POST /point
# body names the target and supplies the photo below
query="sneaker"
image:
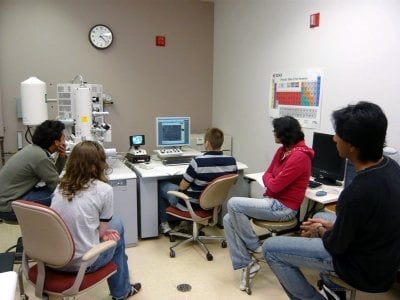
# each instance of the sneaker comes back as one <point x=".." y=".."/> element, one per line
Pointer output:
<point x="255" y="267"/>
<point x="331" y="292"/>
<point x="184" y="226"/>
<point x="135" y="288"/>
<point x="164" y="228"/>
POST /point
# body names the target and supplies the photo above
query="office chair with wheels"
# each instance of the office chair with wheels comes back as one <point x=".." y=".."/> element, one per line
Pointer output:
<point x="48" y="242"/>
<point x="211" y="200"/>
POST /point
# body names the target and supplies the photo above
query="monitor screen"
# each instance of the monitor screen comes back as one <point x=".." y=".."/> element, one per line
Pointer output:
<point x="327" y="165"/>
<point x="136" y="140"/>
<point x="173" y="131"/>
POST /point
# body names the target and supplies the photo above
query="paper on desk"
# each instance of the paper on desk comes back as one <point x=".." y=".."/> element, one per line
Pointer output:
<point x="170" y="170"/>
<point x="257" y="177"/>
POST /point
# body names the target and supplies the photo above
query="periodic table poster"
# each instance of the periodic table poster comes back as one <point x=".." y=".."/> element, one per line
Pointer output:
<point x="297" y="94"/>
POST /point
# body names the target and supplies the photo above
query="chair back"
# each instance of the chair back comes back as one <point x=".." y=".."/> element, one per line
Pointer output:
<point x="217" y="191"/>
<point x="45" y="236"/>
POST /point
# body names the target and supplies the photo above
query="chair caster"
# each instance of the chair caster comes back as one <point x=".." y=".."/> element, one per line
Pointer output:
<point x="171" y="253"/>
<point x="224" y="244"/>
<point x="209" y="256"/>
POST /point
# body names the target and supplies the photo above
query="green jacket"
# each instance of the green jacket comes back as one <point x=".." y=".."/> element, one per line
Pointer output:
<point x="24" y="170"/>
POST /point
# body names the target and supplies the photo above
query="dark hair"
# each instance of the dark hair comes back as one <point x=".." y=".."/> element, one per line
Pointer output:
<point x="86" y="163"/>
<point x="288" y="130"/>
<point x="215" y="137"/>
<point x="47" y="132"/>
<point x="363" y="125"/>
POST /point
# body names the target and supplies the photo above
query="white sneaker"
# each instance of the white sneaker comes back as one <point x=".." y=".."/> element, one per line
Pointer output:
<point x="255" y="267"/>
<point x="164" y="228"/>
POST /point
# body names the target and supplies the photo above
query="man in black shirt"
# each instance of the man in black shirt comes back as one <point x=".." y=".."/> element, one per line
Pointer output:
<point x="361" y="244"/>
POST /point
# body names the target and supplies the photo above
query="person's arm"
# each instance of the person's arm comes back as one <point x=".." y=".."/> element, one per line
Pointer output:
<point x="183" y="185"/>
<point x="62" y="158"/>
<point x="295" y="165"/>
<point x="46" y="171"/>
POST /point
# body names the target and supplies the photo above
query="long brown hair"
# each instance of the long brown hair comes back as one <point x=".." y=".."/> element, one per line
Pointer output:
<point x="86" y="163"/>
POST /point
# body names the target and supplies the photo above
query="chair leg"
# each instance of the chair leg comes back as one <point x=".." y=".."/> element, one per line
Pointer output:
<point x="256" y="258"/>
<point x="352" y="294"/>
<point x="21" y="284"/>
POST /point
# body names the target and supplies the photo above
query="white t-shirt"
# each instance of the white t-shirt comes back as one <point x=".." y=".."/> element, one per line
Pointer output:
<point x="83" y="215"/>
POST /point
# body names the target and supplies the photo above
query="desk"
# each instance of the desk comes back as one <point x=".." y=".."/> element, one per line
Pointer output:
<point x="332" y="195"/>
<point x="123" y="181"/>
<point x="148" y="191"/>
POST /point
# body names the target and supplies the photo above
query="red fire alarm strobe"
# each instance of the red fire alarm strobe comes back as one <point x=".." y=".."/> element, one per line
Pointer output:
<point x="160" y="41"/>
<point x="314" y="20"/>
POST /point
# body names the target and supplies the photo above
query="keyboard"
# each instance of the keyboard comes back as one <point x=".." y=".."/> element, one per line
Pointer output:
<point x="314" y="184"/>
<point x="169" y="152"/>
<point x="176" y="160"/>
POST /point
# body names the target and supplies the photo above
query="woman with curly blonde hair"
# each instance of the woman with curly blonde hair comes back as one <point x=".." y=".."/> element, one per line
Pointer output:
<point x="84" y="200"/>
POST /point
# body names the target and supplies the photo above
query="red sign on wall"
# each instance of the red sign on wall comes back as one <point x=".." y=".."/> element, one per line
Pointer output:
<point x="160" y="41"/>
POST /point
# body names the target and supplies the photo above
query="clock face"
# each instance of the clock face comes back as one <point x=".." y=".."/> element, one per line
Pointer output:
<point x="100" y="36"/>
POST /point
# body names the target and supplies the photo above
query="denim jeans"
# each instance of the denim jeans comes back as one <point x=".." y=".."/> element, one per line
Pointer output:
<point x="239" y="233"/>
<point x="165" y="200"/>
<point x="41" y="195"/>
<point x="119" y="283"/>
<point x="286" y="255"/>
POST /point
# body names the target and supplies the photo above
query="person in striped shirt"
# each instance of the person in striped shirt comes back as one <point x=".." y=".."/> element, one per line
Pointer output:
<point x="201" y="170"/>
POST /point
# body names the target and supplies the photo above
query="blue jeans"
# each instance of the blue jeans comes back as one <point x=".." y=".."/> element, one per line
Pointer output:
<point x="165" y="200"/>
<point x="119" y="283"/>
<point x="41" y="195"/>
<point x="239" y="233"/>
<point x="286" y="255"/>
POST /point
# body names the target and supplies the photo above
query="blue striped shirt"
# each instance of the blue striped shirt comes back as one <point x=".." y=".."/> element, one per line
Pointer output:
<point x="205" y="168"/>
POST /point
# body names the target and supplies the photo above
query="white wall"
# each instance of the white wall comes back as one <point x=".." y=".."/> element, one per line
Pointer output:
<point x="357" y="46"/>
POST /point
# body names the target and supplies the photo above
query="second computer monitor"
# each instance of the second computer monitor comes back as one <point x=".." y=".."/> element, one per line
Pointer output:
<point x="173" y="131"/>
<point x="327" y="165"/>
<point x="136" y="140"/>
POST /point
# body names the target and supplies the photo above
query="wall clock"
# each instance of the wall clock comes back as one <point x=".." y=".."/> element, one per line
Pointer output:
<point x="101" y="36"/>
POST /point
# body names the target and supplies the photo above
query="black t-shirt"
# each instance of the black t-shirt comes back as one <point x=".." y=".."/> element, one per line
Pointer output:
<point x="365" y="240"/>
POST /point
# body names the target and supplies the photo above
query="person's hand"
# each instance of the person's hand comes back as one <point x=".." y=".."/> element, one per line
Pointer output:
<point x="62" y="150"/>
<point x="110" y="234"/>
<point x="311" y="227"/>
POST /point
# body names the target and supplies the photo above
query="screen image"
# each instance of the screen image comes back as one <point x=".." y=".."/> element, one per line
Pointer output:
<point x="136" y="140"/>
<point x="173" y="131"/>
<point x="327" y="165"/>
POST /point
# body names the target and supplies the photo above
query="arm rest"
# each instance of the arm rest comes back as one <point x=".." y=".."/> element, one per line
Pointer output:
<point x="86" y="260"/>
<point x="99" y="248"/>
<point x="186" y="198"/>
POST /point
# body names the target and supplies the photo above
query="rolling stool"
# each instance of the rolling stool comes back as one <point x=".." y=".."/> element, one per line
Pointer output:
<point x="336" y="280"/>
<point x="275" y="228"/>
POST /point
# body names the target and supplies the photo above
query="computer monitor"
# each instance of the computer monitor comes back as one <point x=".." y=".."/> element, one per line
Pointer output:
<point x="327" y="166"/>
<point x="173" y="131"/>
<point x="136" y="140"/>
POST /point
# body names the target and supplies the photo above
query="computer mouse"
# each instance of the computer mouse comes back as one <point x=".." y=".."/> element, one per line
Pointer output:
<point x="321" y="193"/>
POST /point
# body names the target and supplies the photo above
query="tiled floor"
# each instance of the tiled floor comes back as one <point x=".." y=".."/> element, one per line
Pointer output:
<point x="160" y="275"/>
